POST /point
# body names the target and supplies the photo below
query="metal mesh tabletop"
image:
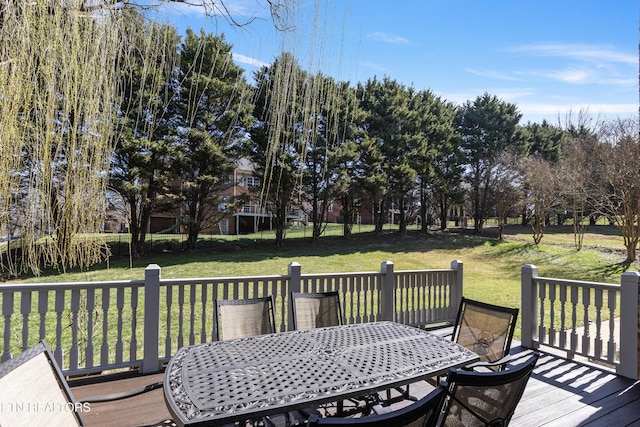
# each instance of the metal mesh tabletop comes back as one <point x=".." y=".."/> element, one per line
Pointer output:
<point x="240" y="379"/>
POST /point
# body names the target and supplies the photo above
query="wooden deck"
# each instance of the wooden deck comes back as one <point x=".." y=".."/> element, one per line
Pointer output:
<point x="561" y="393"/>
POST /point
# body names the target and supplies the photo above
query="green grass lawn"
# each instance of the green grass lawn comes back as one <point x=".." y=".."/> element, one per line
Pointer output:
<point x="491" y="267"/>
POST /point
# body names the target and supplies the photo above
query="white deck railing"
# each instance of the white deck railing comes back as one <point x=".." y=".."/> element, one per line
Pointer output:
<point x="100" y="326"/>
<point x="598" y="321"/>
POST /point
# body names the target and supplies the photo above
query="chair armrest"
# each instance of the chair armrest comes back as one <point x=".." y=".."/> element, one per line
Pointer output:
<point x="495" y="363"/>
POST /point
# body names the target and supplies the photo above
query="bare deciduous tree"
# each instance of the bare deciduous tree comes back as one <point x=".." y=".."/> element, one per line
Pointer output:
<point x="615" y="187"/>
<point x="543" y="193"/>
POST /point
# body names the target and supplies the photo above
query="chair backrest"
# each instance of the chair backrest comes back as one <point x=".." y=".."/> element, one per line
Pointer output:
<point x="316" y="310"/>
<point x="244" y="318"/>
<point x="422" y="413"/>
<point x="485" y="329"/>
<point x="33" y="391"/>
<point x="485" y="398"/>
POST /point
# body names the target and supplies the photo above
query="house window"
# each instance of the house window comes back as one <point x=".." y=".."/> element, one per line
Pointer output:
<point x="253" y="181"/>
<point x="330" y="207"/>
<point x="240" y="181"/>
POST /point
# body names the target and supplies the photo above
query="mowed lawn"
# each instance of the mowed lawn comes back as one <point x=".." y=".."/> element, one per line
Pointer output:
<point x="491" y="266"/>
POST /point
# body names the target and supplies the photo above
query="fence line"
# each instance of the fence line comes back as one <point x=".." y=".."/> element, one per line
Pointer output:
<point x="98" y="326"/>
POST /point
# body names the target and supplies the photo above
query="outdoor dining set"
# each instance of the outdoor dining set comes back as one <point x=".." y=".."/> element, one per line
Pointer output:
<point x="323" y="372"/>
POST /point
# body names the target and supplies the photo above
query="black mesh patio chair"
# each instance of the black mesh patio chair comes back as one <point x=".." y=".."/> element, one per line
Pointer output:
<point x="244" y="318"/>
<point x="316" y="310"/>
<point x="34" y="392"/>
<point x="424" y="412"/>
<point x="484" y="398"/>
<point x="487" y="330"/>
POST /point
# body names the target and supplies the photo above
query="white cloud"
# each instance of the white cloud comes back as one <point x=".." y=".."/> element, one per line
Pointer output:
<point x="504" y="94"/>
<point x="551" y="108"/>
<point x="243" y="59"/>
<point x="572" y="75"/>
<point x="493" y="74"/>
<point x="538" y="110"/>
<point x="375" y="66"/>
<point x="592" y="53"/>
<point x="388" y="38"/>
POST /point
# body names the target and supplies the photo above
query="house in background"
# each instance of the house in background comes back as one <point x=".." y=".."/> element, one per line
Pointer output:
<point x="250" y="217"/>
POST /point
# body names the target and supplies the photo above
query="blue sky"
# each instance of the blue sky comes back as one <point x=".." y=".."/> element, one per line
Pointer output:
<point x="549" y="57"/>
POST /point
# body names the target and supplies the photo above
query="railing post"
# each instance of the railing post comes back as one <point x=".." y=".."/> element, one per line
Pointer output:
<point x="629" y="324"/>
<point x="388" y="292"/>
<point x="295" y="273"/>
<point x="528" y="310"/>
<point x="456" y="290"/>
<point x="151" y="361"/>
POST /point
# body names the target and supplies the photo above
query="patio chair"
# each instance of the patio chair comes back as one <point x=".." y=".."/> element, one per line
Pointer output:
<point x="315" y="310"/>
<point x="487" y="330"/>
<point x="422" y="413"/>
<point x="485" y="398"/>
<point x="466" y="399"/>
<point x="34" y="392"/>
<point x="244" y="318"/>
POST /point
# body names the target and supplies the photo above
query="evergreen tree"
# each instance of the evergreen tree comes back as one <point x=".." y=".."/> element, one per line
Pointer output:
<point x="390" y="127"/>
<point x="275" y="136"/>
<point x="488" y="127"/>
<point x="436" y="158"/>
<point x="210" y="118"/>
<point x="139" y="173"/>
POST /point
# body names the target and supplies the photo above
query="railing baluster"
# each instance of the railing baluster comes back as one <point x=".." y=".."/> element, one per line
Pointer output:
<point x="25" y="310"/>
<point x="542" y="289"/>
<point x="169" y="303"/>
<point x="59" y="308"/>
<point x="7" y="312"/>
<point x="88" y="349"/>
<point x="104" y="348"/>
<point x="359" y="296"/>
<point x="43" y="309"/>
<point x="552" y="313"/>
<point x="133" y="347"/>
<point x="203" y="315"/>
<point x="119" y="341"/>
<point x="414" y="300"/>
<point x="192" y="314"/>
<point x="611" y="343"/>
<point x="586" y="303"/>
<point x="574" y="321"/>
<point x="75" y="313"/>
<point x="563" y="316"/>
<point x="214" y="295"/>
<point x="181" y="316"/>
<point x="598" y="338"/>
